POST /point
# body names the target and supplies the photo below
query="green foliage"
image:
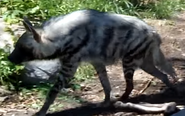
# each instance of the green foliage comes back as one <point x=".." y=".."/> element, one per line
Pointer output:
<point x="13" y="10"/>
<point x="7" y="70"/>
<point x="166" y="8"/>
<point x="84" y="72"/>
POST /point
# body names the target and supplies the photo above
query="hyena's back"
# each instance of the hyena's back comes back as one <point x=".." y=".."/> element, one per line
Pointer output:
<point x="91" y="35"/>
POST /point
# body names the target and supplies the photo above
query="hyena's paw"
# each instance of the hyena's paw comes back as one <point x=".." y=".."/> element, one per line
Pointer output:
<point x="173" y="79"/>
<point x="124" y="97"/>
<point x="107" y="103"/>
<point x="39" y="114"/>
<point x="104" y="104"/>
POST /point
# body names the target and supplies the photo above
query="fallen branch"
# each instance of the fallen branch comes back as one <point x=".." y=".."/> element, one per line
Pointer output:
<point x="141" y="108"/>
<point x="145" y="87"/>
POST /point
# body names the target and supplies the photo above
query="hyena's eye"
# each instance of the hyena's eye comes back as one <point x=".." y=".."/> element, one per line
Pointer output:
<point x="25" y="50"/>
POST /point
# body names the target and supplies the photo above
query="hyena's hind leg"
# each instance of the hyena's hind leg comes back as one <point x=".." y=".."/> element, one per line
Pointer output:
<point x="149" y="67"/>
<point x="103" y="77"/>
<point x="149" y="63"/>
<point x="161" y="62"/>
<point x="128" y="69"/>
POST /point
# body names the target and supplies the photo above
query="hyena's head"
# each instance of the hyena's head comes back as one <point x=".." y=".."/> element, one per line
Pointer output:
<point x="32" y="45"/>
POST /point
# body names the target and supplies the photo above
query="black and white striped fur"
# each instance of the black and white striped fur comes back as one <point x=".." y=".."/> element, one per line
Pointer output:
<point x="98" y="38"/>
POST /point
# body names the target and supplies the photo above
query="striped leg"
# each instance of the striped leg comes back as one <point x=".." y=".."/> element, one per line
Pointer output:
<point x="50" y="97"/>
<point x="67" y="71"/>
<point x="129" y="67"/>
<point x="128" y="74"/>
<point x="102" y="74"/>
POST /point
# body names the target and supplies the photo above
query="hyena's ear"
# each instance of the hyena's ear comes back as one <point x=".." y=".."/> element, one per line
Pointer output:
<point x="27" y="24"/>
<point x="27" y="21"/>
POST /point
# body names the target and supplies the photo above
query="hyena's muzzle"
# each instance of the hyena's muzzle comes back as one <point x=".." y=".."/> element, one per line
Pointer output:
<point x="15" y="57"/>
<point x="18" y="57"/>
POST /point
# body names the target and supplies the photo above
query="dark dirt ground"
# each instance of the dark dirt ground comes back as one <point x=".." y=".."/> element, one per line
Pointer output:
<point x="173" y="46"/>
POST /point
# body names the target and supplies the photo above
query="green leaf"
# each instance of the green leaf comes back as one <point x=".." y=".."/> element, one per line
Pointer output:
<point x="35" y="9"/>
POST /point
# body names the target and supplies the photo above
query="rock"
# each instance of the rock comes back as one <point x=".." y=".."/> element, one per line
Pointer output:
<point x="36" y="72"/>
<point x="5" y="37"/>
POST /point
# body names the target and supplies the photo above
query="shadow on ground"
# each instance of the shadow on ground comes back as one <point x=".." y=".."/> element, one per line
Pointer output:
<point x="162" y="97"/>
<point x="166" y="95"/>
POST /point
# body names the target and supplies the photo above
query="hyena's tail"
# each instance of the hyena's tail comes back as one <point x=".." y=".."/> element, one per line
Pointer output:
<point x="159" y="59"/>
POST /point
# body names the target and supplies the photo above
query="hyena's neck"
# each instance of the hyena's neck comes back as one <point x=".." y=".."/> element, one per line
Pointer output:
<point x="54" y="48"/>
<point x="44" y="49"/>
<point x="64" y="42"/>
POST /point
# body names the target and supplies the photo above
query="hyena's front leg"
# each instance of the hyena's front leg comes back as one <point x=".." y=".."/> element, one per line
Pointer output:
<point x="51" y="96"/>
<point x="67" y="71"/>
<point x="102" y="74"/>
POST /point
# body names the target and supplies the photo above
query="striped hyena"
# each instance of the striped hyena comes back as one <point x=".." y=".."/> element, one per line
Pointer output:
<point x="98" y="38"/>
